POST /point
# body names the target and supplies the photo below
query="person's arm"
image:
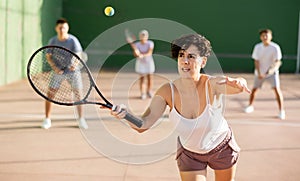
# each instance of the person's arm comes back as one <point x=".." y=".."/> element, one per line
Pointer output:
<point x="228" y="85"/>
<point x="277" y="63"/>
<point x="77" y="49"/>
<point x="255" y="56"/>
<point x="256" y="65"/>
<point x="274" y="67"/>
<point x="151" y="115"/>
<point x="148" y="53"/>
<point x="135" y="50"/>
<point x="52" y="64"/>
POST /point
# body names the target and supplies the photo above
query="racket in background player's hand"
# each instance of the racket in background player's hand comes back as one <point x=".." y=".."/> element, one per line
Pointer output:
<point x="130" y="38"/>
<point x="73" y="84"/>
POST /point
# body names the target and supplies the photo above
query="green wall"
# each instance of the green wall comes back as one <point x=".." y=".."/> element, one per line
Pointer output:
<point x="232" y="26"/>
<point x="25" y="26"/>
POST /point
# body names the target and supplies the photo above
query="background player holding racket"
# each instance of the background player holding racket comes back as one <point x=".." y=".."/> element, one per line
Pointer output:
<point x="195" y="100"/>
<point x="144" y="66"/>
<point x="59" y="73"/>
<point x="267" y="59"/>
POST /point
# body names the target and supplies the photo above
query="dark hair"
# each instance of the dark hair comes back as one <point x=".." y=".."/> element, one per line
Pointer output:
<point x="265" y="31"/>
<point x="61" y="21"/>
<point x="186" y="41"/>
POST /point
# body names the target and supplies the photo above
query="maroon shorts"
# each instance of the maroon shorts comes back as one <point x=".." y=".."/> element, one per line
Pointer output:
<point x="222" y="157"/>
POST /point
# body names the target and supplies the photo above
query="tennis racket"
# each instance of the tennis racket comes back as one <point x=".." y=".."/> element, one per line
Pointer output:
<point x="69" y="81"/>
<point x="130" y="38"/>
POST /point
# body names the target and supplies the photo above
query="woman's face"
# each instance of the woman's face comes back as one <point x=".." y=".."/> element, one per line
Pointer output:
<point x="190" y="62"/>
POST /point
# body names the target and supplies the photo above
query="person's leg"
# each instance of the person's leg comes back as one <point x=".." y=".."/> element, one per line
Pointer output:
<point x="78" y="91"/>
<point x="252" y="96"/>
<point x="250" y="107"/>
<point x="54" y="84"/>
<point x="225" y="175"/>
<point x="257" y="84"/>
<point x="193" y="175"/>
<point x="279" y="98"/>
<point x="141" y="83"/>
<point x="48" y="106"/>
<point x="275" y="82"/>
<point x="142" y="87"/>
<point x="79" y="111"/>
<point x="149" y="85"/>
<point x="78" y="97"/>
<point x="82" y="122"/>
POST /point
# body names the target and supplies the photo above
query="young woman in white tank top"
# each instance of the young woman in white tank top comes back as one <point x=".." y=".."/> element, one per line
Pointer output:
<point x="195" y="101"/>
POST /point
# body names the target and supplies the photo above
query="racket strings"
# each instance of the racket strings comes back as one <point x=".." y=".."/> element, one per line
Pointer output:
<point x="63" y="79"/>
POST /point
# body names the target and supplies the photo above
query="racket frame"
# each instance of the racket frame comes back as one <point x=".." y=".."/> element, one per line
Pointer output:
<point x="92" y="81"/>
<point x="129" y="117"/>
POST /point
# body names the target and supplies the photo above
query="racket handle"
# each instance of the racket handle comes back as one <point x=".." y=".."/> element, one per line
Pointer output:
<point x="134" y="120"/>
<point x="131" y="118"/>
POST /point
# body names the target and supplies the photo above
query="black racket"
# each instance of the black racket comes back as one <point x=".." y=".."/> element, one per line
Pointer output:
<point x="61" y="76"/>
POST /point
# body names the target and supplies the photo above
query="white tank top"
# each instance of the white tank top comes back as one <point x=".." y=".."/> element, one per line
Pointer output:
<point x="204" y="133"/>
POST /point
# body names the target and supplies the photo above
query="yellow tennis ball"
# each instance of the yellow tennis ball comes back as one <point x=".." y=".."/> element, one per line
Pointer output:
<point x="109" y="11"/>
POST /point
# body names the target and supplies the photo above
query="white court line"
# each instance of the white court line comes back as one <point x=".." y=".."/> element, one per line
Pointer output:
<point x="39" y="116"/>
<point x="35" y="116"/>
<point x="236" y="122"/>
<point x="279" y="123"/>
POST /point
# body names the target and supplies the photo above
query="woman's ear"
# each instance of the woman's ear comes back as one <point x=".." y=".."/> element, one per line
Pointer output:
<point x="203" y="63"/>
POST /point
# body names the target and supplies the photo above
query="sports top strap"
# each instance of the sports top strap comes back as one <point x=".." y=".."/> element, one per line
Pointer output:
<point x="206" y="92"/>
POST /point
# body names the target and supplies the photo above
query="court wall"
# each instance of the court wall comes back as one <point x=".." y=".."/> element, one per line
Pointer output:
<point x="232" y="26"/>
<point x="25" y="26"/>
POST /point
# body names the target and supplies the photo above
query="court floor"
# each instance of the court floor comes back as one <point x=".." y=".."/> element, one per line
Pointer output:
<point x="270" y="147"/>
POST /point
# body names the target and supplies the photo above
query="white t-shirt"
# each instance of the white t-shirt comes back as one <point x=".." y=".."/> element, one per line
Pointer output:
<point x="266" y="55"/>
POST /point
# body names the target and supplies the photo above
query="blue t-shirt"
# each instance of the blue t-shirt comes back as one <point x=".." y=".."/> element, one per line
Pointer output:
<point x="61" y="60"/>
<point x="72" y="43"/>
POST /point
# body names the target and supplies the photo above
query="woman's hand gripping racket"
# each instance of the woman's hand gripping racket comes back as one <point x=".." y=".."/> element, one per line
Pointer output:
<point x="130" y="38"/>
<point x="69" y="81"/>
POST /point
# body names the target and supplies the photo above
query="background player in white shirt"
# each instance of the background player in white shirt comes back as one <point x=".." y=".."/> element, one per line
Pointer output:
<point x="267" y="59"/>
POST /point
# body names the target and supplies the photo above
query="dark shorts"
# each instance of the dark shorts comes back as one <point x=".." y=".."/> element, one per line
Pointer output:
<point x="224" y="156"/>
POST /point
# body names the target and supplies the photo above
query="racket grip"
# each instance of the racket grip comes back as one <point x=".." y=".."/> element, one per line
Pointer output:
<point x="131" y="118"/>
<point x="134" y="120"/>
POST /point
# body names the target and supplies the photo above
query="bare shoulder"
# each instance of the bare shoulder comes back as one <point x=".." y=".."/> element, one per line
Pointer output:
<point x="165" y="92"/>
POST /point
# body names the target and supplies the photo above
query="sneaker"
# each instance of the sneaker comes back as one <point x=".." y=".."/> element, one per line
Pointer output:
<point x="249" y="109"/>
<point x="149" y="94"/>
<point x="83" y="124"/>
<point x="46" y="123"/>
<point x="281" y="115"/>
<point x="143" y="96"/>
